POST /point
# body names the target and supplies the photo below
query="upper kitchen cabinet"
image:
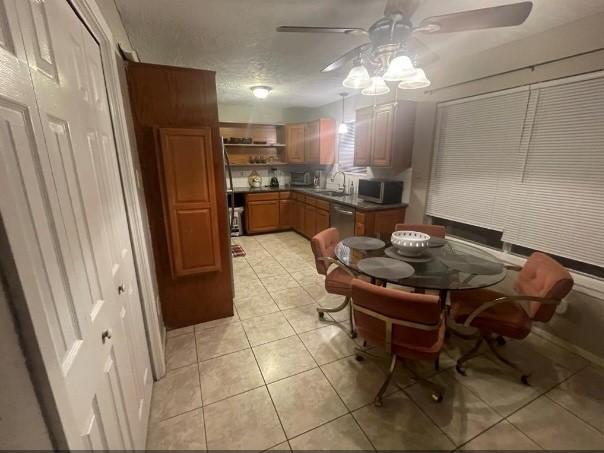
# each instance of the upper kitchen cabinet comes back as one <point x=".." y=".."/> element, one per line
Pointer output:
<point x="313" y="142"/>
<point x="384" y="135"/>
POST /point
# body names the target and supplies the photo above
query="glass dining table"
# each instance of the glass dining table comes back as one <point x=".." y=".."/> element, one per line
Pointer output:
<point x="445" y="265"/>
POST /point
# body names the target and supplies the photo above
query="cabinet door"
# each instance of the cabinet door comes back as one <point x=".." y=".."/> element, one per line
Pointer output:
<point x="300" y="214"/>
<point x="363" y="137"/>
<point x="295" y="143"/>
<point x="190" y="200"/>
<point x="309" y="221"/>
<point x="262" y="216"/>
<point x="285" y="213"/>
<point x="321" y="220"/>
<point x="383" y="124"/>
<point x="312" y="142"/>
<point x="359" y="225"/>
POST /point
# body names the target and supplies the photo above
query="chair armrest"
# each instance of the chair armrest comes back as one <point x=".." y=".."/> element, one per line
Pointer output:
<point x="399" y="322"/>
<point x="331" y="261"/>
<point x="508" y="300"/>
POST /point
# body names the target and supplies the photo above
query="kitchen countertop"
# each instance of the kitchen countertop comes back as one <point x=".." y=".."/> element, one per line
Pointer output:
<point x="347" y="200"/>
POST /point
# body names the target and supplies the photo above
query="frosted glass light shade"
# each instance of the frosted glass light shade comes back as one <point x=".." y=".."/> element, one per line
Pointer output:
<point x="376" y="87"/>
<point x="343" y="128"/>
<point x="357" y="78"/>
<point x="419" y="80"/>
<point x="400" y="68"/>
<point x="261" y="92"/>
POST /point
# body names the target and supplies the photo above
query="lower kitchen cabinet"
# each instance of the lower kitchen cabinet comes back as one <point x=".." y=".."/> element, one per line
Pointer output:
<point x="286" y="214"/>
<point x="369" y="223"/>
<point x="262" y="212"/>
<point x="321" y="220"/>
<point x="309" y="221"/>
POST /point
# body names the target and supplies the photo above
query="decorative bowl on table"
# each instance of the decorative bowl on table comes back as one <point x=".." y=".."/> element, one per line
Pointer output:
<point x="410" y="243"/>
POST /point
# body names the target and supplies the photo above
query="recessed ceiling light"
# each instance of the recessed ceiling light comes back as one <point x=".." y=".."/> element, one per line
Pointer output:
<point x="261" y="92"/>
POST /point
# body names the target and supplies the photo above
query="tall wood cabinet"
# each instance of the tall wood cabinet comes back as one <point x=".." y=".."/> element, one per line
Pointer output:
<point x="313" y="142"/>
<point x="384" y="135"/>
<point x="175" y="117"/>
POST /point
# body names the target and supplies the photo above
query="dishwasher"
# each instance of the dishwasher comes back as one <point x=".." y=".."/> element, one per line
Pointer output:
<point x="342" y="218"/>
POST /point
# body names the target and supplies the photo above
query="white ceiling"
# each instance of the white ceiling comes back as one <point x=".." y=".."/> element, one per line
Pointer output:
<point x="237" y="39"/>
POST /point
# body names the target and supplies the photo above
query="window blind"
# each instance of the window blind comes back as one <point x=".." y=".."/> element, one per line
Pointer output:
<point x="475" y="154"/>
<point x="557" y="200"/>
<point x="346" y="152"/>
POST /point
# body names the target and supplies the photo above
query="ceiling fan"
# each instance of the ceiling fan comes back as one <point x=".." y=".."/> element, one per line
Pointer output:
<point x="393" y="53"/>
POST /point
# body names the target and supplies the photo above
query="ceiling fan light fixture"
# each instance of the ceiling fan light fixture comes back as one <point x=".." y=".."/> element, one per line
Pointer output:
<point x="400" y="68"/>
<point x="261" y="92"/>
<point x="357" y="78"/>
<point x="419" y="80"/>
<point x="376" y="87"/>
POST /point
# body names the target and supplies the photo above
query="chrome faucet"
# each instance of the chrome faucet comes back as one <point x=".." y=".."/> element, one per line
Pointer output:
<point x="333" y="177"/>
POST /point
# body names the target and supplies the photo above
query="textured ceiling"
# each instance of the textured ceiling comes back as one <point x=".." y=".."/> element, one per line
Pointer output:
<point x="237" y="39"/>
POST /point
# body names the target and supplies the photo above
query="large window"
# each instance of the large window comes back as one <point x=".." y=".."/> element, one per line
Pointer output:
<point x="346" y="152"/>
<point x="528" y="163"/>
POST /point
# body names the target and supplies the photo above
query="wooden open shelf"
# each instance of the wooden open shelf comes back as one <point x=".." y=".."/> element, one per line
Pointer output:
<point x="254" y="145"/>
<point x="268" y="164"/>
<point x="273" y="151"/>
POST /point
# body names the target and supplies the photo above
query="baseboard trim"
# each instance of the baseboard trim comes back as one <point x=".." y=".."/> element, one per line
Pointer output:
<point x="569" y="346"/>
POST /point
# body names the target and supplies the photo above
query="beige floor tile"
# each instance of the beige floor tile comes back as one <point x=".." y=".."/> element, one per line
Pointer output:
<point x="461" y="414"/>
<point x="283" y="358"/>
<point x="554" y="428"/>
<point x="291" y="297"/>
<point x="356" y="382"/>
<point x="243" y="422"/>
<point x="263" y="329"/>
<point x="175" y="393"/>
<point x="248" y="289"/>
<point x="220" y="340"/>
<point x="180" y="351"/>
<point x="316" y="291"/>
<point x="400" y="425"/>
<point x="328" y="344"/>
<point x="228" y="375"/>
<point x="583" y="395"/>
<point x="502" y="437"/>
<point x="298" y="264"/>
<point x="340" y="434"/>
<point x="181" y="331"/>
<point x="268" y="270"/>
<point x="305" y="401"/>
<point x="183" y="432"/>
<point x="278" y="283"/>
<point x="305" y="318"/>
<point x="283" y="446"/>
<point x="217" y="322"/>
<point x="305" y="278"/>
<point x="257" y="305"/>
<point x="501" y="388"/>
<point x="553" y="352"/>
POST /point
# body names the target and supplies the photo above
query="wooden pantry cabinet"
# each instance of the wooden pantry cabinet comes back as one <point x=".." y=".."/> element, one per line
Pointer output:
<point x="384" y="135"/>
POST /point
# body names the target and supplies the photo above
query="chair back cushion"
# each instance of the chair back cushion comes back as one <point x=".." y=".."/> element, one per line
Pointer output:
<point x="323" y="244"/>
<point x="431" y="230"/>
<point x="397" y="305"/>
<point x="543" y="276"/>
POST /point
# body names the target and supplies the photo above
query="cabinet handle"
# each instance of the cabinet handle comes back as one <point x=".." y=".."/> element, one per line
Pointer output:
<point x="106" y="335"/>
<point x="340" y="211"/>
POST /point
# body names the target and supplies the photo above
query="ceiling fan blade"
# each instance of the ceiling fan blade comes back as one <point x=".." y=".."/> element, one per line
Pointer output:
<point x="498" y="16"/>
<point x="421" y="54"/>
<point x="302" y="29"/>
<point x="346" y="57"/>
<point x="404" y="7"/>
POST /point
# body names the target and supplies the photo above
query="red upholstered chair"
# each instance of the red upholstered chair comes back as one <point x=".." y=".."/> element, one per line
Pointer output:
<point x="407" y="325"/>
<point x="338" y="278"/>
<point x="542" y="284"/>
<point x="431" y="230"/>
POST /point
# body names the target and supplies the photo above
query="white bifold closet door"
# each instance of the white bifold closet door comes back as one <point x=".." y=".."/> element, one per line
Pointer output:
<point x="65" y="219"/>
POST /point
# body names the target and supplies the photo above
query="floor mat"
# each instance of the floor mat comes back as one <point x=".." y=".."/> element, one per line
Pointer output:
<point x="237" y="250"/>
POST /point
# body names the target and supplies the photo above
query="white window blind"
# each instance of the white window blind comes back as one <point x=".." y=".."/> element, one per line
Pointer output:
<point x="346" y="152"/>
<point x="557" y="201"/>
<point x="476" y="150"/>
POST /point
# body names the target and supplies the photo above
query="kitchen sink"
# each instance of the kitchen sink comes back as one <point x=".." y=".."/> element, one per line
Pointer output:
<point x="332" y="193"/>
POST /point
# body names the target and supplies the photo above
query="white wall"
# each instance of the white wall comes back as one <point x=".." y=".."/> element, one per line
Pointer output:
<point x="254" y="111"/>
<point x="114" y="21"/>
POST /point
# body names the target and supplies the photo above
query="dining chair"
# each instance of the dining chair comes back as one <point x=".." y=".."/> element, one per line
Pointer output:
<point x="431" y="230"/>
<point x="540" y="286"/>
<point x="408" y="326"/>
<point x="338" y="278"/>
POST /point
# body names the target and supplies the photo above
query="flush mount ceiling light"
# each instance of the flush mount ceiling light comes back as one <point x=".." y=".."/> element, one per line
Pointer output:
<point x="343" y="127"/>
<point x="261" y="92"/>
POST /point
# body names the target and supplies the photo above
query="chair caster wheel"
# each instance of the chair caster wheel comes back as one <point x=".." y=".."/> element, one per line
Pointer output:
<point x="321" y="315"/>
<point x="378" y="403"/>
<point x="437" y="397"/>
<point x="500" y="340"/>
<point x="460" y="370"/>
<point x="524" y="379"/>
<point x="359" y="358"/>
<point x="353" y="335"/>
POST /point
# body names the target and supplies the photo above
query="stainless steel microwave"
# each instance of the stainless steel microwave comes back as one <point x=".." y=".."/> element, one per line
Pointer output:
<point x="381" y="190"/>
<point x="301" y="179"/>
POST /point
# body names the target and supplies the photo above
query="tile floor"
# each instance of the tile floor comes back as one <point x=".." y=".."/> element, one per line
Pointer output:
<point x="275" y="377"/>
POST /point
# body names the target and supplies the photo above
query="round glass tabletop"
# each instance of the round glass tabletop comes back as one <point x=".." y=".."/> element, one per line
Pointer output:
<point x="454" y="266"/>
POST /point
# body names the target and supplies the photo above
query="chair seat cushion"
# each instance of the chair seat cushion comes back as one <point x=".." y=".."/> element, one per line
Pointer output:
<point x="338" y="281"/>
<point x="507" y="319"/>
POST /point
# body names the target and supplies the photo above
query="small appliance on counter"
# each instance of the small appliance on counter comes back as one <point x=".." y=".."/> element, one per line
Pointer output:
<point x="316" y="180"/>
<point x="274" y="182"/>
<point x="254" y="180"/>
<point x="301" y="179"/>
<point x="381" y="191"/>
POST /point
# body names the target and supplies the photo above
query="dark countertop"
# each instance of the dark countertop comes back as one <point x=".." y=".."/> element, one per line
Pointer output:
<point x="347" y="200"/>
